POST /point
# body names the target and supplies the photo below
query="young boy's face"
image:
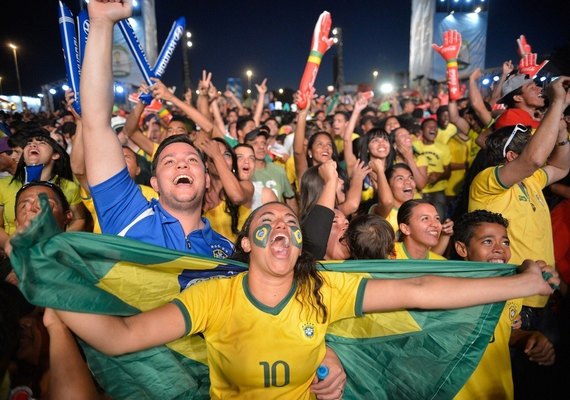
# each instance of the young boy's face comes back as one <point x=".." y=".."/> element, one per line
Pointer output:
<point x="489" y="243"/>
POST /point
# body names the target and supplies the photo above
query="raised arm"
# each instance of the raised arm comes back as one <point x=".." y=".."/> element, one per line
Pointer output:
<point x="161" y="91"/>
<point x="299" y="149"/>
<point x="541" y="144"/>
<point x="385" y="196"/>
<point x="354" y="193"/>
<point x="476" y="99"/>
<point x="103" y="153"/>
<point x="241" y="109"/>
<point x="454" y="117"/>
<point x="349" y="157"/>
<point x="498" y="88"/>
<point x="239" y="192"/>
<point x="261" y="90"/>
<point x="203" y="101"/>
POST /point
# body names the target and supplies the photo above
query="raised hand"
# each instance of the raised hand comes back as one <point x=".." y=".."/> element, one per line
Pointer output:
<point x="449" y="50"/>
<point x="528" y="65"/>
<point x="204" y="83"/>
<point x="523" y="47"/>
<point x="508" y="67"/>
<point x="320" y="43"/>
<point x="262" y="87"/>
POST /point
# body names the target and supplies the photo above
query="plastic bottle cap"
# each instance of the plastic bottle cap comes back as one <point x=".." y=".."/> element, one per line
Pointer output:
<point x="322" y="372"/>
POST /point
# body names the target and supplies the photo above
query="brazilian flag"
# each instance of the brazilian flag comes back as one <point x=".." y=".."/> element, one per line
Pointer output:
<point x="393" y="355"/>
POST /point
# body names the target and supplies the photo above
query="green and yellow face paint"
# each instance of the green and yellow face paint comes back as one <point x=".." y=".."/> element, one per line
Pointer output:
<point x="261" y="235"/>
<point x="296" y="237"/>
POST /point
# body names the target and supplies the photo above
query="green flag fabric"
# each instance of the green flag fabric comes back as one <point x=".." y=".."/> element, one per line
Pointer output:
<point x="397" y="355"/>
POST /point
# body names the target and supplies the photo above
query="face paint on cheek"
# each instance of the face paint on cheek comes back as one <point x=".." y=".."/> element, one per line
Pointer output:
<point x="261" y="235"/>
<point x="296" y="237"/>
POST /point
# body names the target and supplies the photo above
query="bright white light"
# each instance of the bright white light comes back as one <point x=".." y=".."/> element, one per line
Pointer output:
<point x="386" y="88"/>
<point x="280" y="91"/>
<point x="330" y="88"/>
<point x="249" y="73"/>
<point x="477" y="10"/>
<point x="451" y="12"/>
<point x="40" y="95"/>
<point x="197" y="91"/>
<point x="189" y="43"/>
<point x="334" y="31"/>
<point x="248" y="91"/>
<point x="485" y="81"/>
<point x="188" y="34"/>
<point x="135" y="3"/>
<point x="335" y="40"/>
<point x="468" y="1"/>
<point x="119" y="89"/>
<point x="542" y="78"/>
<point x="64" y="87"/>
<point x="496" y="78"/>
<point x="52" y="91"/>
<point x="456" y="1"/>
<point x="375" y="74"/>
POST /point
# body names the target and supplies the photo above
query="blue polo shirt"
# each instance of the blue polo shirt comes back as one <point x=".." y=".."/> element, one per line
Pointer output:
<point x="123" y="210"/>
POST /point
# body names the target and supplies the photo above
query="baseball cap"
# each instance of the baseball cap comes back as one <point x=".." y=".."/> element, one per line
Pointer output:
<point x="260" y="130"/>
<point x="512" y="83"/>
<point x="4" y="146"/>
<point x="118" y="123"/>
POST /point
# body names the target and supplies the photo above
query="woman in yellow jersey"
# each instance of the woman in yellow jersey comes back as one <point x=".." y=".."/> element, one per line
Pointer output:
<point x="227" y="196"/>
<point x="402" y="142"/>
<point x="279" y="310"/>
<point x="420" y="231"/>
<point x="395" y="187"/>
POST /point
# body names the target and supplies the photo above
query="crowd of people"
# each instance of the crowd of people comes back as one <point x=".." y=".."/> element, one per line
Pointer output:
<point x="418" y="175"/>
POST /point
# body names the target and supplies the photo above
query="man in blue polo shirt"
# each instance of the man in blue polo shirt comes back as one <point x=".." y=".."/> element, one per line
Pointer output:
<point x="179" y="173"/>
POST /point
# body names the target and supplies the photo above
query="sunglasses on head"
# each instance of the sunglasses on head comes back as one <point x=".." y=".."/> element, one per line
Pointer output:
<point x="518" y="128"/>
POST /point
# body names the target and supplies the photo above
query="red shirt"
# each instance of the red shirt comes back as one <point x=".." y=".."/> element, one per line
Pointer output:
<point x="513" y="116"/>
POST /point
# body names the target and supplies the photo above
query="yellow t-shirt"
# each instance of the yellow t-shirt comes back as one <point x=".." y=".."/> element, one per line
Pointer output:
<point x="401" y="253"/>
<point x="339" y="142"/>
<point x="459" y="151"/>
<point x="524" y="206"/>
<point x="492" y="379"/>
<point x="221" y="221"/>
<point x="437" y="157"/>
<point x="261" y="352"/>
<point x="474" y="147"/>
<point x="444" y="135"/>
<point x="8" y="192"/>
<point x="147" y="192"/>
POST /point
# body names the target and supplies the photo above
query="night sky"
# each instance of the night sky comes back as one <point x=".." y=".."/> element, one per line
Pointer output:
<point x="272" y="38"/>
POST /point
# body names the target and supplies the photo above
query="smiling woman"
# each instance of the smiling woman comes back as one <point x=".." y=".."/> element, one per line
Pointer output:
<point x="280" y="309"/>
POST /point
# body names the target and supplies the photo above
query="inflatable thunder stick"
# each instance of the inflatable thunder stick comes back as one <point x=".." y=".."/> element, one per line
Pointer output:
<point x="167" y="50"/>
<point x="82" y="32"/>
<point x="70" y="51"/>
<point x="319" y="45"/>
<point x="449" y="50"/>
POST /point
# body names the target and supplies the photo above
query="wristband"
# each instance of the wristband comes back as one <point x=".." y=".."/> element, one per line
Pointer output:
<point x="315" y="57"/>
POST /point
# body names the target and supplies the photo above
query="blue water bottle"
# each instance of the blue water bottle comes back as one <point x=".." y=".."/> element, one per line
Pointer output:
<point x="322" y="372"/>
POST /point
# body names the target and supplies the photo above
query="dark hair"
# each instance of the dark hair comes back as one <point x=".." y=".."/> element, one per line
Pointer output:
<point x="188" y="123"/>
<point x="509" y="99"/>
<point x="370" y="236"/>
<point x="344" y="114"/>
<point x="425" y="121"/>
<point x="308" y="279"/>
<point x="334" y="156"/>
<point x="231" y="208"/>
<point x="372" y="134"/>
<point x="407" y="207"/>
<point x="134" y="153"/>
<point x="310" y="191"/>
<point x="392" y="169"/>
<point x="466" y="224"/>
<point x="64" y="204"/>
<point x="181" y="138"/>
<point x="61" y="166"/>
<point x="496" y="142"/>
<point x="242" y="121"/>
<point x="68" y="128"/>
